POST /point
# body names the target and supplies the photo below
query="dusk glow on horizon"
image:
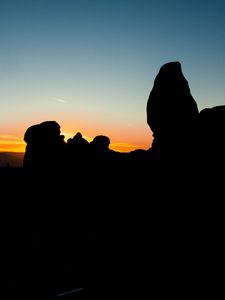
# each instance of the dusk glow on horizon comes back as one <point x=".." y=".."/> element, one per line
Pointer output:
<point x="90" y="64"/>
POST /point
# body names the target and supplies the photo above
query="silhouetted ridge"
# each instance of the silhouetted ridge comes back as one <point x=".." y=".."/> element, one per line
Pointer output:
<point x="46" y="148"/>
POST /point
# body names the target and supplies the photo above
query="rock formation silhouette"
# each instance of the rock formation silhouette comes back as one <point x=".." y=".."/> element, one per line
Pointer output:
<point x="100" y="147"/>
<point x="78" y="151"/>
<point x="172" y="114"/>
<point x="212" y="135"/>
<point x="45" y="146"/>
<point x="79" y="143"/>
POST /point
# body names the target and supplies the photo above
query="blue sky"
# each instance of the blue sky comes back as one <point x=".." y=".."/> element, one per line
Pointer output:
<point x="90" y="65"/>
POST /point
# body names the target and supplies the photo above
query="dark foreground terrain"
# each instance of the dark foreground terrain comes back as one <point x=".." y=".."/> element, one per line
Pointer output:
<point x="127" y="230"/>
<point x="13" y="159"/>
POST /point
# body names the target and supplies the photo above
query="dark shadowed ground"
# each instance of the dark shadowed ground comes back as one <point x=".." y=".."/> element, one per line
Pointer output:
<point x="13" y="159"/>
<point x="130" y="229"/>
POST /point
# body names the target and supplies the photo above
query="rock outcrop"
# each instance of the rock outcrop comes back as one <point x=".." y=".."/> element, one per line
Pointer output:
<point x="172" y="114"/>
<point x="45" y="145"/>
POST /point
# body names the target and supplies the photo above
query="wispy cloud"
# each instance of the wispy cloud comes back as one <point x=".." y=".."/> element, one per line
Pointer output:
<point x="8" y="137"/>
<point x="60" y="100"/>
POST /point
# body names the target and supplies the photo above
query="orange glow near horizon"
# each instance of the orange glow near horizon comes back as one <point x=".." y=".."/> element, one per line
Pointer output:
<point x="123" y="138"/>
<point x="125" y="147"/>
<point x="10" y="143"/>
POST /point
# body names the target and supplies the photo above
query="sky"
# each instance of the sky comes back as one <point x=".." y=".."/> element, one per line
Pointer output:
<point x="90" y="64"/>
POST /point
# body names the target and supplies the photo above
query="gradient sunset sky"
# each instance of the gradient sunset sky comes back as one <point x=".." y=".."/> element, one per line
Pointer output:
<point x="90" y="64"/>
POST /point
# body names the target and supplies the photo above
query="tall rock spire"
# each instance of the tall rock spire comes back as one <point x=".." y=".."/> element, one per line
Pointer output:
<point x="172" y="113"/>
